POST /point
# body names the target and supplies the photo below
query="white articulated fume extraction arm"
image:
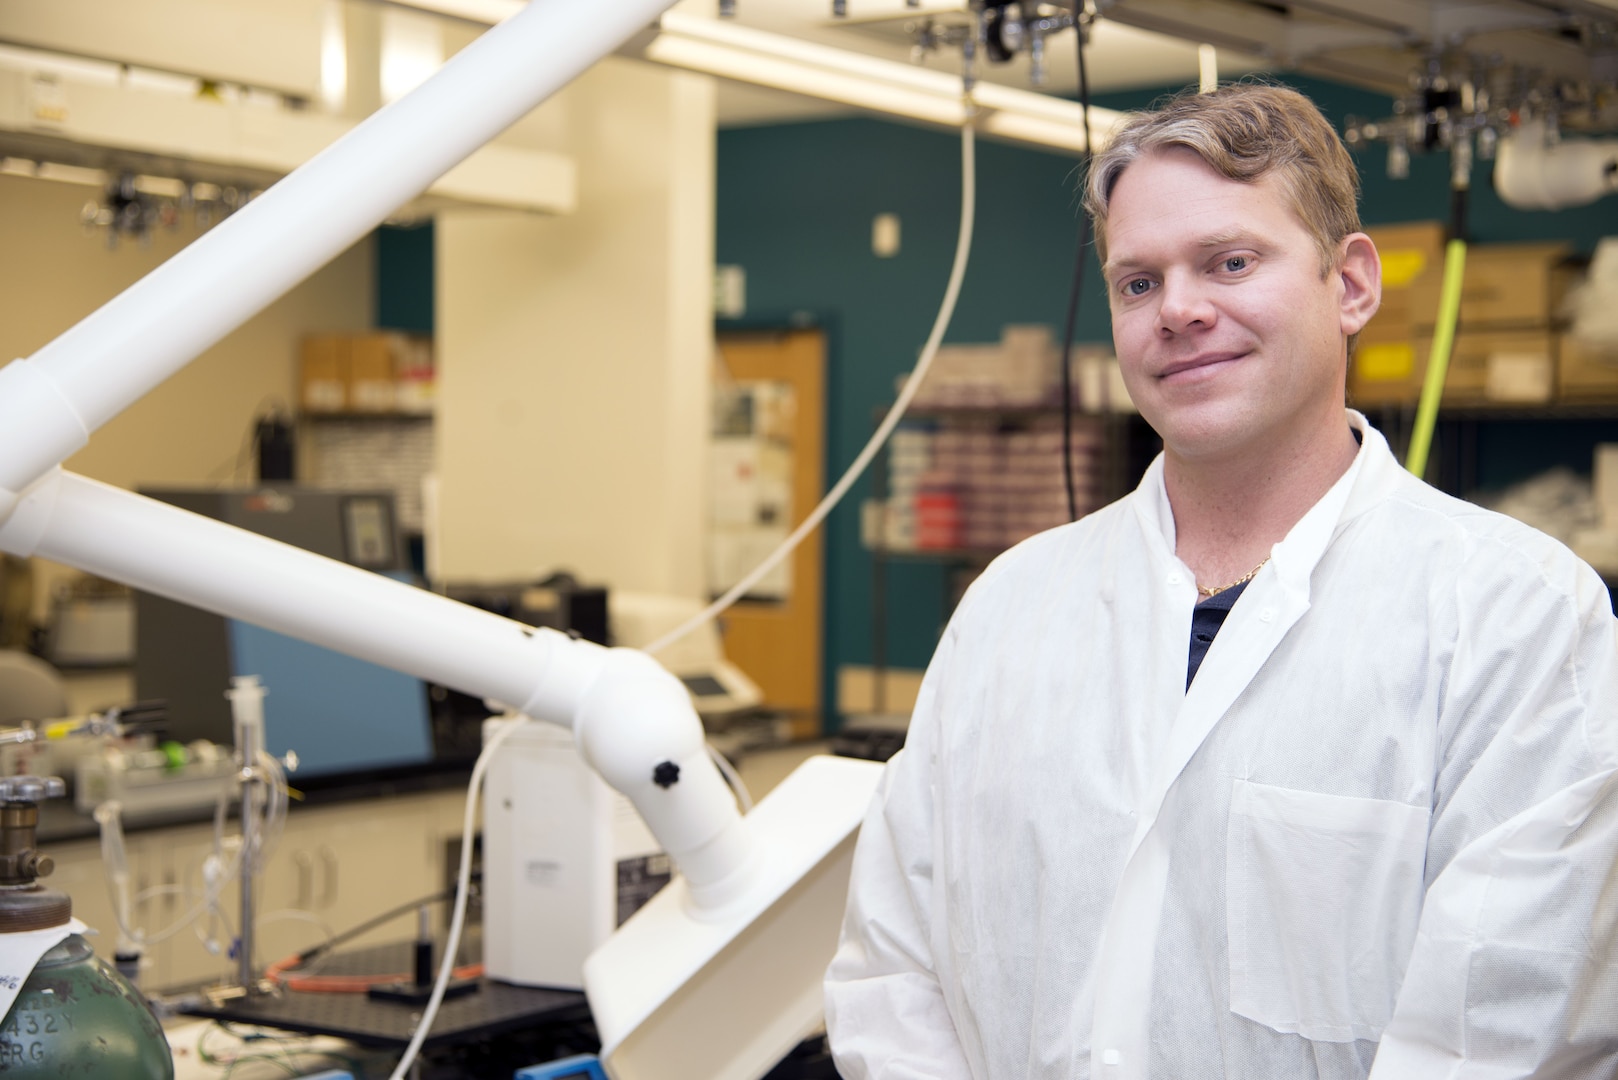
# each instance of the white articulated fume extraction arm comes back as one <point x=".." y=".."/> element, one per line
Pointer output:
<point x="633" y="720"/>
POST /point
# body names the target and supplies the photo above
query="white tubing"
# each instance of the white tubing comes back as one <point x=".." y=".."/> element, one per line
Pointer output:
<point x="151" y="330"/>
<point x="457" y="922"/>
<point x="946" y="310"/>
<point x="196" y="560"/>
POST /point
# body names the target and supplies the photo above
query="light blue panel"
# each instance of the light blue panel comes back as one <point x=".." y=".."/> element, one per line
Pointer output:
<point x="338" y="713"/>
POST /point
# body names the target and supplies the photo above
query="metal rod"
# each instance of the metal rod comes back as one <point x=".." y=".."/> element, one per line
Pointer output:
<point x="250" y="845"/>
<point x="247" y="713"/>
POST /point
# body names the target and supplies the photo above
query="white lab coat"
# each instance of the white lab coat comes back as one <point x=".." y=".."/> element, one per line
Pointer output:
<point x="1373" y="837"/>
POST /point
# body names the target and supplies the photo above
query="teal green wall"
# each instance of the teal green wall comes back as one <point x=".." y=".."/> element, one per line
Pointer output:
<point x="795" y="204"/>
<point x="404" y="278"/>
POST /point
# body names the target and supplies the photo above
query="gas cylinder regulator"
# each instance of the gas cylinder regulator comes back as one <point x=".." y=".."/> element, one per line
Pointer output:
<point x="74" y="1014"/>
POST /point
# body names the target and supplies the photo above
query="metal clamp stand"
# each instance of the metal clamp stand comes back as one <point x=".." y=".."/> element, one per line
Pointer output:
<point x="247" y="709"/>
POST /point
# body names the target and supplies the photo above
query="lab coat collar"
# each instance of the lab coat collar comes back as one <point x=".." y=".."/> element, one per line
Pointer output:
<point x="1275" y="600"/>
<point x="1295" y="557"/>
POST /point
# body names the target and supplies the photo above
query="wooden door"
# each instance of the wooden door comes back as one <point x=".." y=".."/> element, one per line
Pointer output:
<point x="778" y="643"/>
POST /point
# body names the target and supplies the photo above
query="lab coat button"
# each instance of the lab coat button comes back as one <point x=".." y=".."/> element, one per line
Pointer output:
<point x="1267" y="615"/>
<point x="1111" y="1057"/>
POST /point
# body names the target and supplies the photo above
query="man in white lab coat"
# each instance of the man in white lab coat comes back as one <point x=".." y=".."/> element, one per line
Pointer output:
<point x="1285" y="765"/>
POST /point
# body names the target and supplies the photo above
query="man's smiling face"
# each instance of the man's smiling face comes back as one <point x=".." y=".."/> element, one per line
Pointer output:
<point x="1229" y="336"/>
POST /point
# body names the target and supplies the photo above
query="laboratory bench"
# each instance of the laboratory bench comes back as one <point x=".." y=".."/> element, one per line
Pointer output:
<point x="352" y="847"/>
<point x="338" y="862"/>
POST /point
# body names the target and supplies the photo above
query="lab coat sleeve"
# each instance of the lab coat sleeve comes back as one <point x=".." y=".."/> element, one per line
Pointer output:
<point x="1514" y="971"/>
<point x="886" y="1013"/>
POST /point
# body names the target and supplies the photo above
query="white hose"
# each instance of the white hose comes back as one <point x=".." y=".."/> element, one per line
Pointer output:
<point x="108" y="815"/>
<point x="463" y="879"/>
<point x="744" y="798"/>
<point x="963" y="247"/>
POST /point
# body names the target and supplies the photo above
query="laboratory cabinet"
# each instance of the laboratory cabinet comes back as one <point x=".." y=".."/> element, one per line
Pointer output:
<point x="334" y="867"/>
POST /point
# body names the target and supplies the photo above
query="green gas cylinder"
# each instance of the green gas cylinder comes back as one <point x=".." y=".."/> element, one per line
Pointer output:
<point x="78" y="1017"/>
<point x="75" y="1016"/>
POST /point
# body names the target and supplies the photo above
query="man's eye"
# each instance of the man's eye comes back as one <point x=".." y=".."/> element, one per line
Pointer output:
<point x="1236" y="263"/>
<point x="1137" y="286"/>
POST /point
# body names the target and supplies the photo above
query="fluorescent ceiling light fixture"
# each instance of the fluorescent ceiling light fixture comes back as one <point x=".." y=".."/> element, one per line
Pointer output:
<point x="412" y="49"/>
<point x="783" y="63"/>
<point x="333" y="57"/>
<point x="1207" y="68"/>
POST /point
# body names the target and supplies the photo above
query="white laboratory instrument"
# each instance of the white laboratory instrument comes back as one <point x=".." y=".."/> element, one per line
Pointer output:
<point x="565" y="859"/>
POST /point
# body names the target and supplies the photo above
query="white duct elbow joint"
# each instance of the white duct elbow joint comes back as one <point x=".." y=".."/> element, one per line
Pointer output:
<point x="636" y="727"/>
<point x="39" y="429"/>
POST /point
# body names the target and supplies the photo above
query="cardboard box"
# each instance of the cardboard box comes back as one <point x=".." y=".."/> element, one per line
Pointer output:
<point x="1385" y="373"/>
<point x="323" y="382"/>
<point x="1483" y="361"/>
<point x="1490" y="366"/>
<point x="1412" y="261"/>
<point x="1585" y="372"/>
<point x="379" y="372"/>
<point x="371" y="363"/>
<point x="1505" y="285"/>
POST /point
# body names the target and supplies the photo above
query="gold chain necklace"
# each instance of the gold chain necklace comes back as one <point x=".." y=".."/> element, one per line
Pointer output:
<point x="1215" y="590"/>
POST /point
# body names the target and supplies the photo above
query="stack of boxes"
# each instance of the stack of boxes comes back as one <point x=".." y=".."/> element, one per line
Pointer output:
<point x="380" y="372"/>
<point x="985" y="470"/>
<point x="1507" y="344"/>
<point x="348" y="381"/>
<point x="969" y="485"/>
<point x="1021" y="371"/>
<point x="910" y="460"/>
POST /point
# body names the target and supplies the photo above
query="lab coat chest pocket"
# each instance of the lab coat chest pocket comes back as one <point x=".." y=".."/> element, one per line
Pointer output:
<point x="1324" y="895"/>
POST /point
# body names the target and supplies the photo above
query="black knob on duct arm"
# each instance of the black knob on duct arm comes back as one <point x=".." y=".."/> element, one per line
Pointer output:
<point x="666" y="774"/>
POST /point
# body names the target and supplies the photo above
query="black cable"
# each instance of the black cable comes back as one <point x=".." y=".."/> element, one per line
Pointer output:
<point x="1458" y="211"/>
<point x="372" y="923"/>
<point x="1078" y="278"/>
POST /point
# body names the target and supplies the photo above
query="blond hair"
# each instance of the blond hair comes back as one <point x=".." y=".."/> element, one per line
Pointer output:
<point x="1244" y="132"/>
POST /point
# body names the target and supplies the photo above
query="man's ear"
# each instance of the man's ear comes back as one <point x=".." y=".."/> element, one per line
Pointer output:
<point x="1360" y="269"/>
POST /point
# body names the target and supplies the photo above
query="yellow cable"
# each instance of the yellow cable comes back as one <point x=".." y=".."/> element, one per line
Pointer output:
<point x="1432" y="390"/>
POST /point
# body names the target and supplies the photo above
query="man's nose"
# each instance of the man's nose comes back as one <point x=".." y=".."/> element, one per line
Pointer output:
<point x="1184" y="304"/>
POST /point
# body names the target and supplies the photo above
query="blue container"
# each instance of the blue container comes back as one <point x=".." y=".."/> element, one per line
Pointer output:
<point x="582" y="1067"/>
